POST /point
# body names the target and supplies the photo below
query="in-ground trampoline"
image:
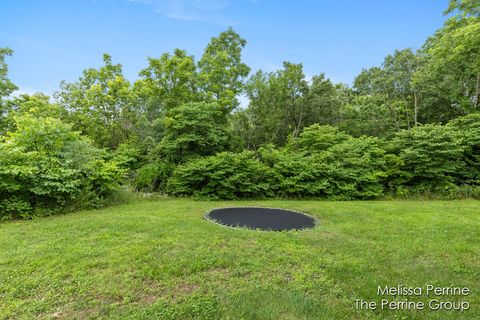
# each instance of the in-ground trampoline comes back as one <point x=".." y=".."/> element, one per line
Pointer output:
<point x="268" y="219"/>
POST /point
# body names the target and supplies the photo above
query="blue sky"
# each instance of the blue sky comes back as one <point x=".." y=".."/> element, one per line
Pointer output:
<point x="56" y="40"/>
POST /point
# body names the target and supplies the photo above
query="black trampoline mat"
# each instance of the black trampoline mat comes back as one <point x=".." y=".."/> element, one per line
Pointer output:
<point x="261" y="218"/>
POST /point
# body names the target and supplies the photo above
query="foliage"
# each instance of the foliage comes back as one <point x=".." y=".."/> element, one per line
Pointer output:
<point x="323" y="163"/>
<point x="194" y="129"/>
<point x="101" y="105"/>
<point x="353" y="168"/>
<point x="409" y="127"/>
<point x="366" y="115"/>
<point x="37" y="105"/>
<point x="221" y="70"/>
<point x="276" y="107"/>
<point x="392" y="84"/>
<point x="153" y="176"/>
<point x="324" y="101"/>
<point x="167" y="82"/>
<point x="45" y="166"/>
<point x="223" y="176"/>
<point x="465" y="7"/>
<point x="467" y="129"/>
<point x="316" y="138"/>
<point x="297" y="175"/>
<point x="6" y="86"/>
<point x="451" y="71"/>
<point x="431" y="156"/>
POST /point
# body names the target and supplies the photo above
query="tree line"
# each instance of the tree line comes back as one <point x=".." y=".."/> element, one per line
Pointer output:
<point x="410" y="125"/>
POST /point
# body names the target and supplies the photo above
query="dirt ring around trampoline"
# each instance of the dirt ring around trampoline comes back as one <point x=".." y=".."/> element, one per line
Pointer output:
<point x="260" y="218"/>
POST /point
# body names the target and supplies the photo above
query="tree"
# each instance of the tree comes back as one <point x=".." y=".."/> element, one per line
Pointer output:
<point x="221" y="70"/>
<point x="451" y="72"/>
<point x="465" y="7"/>
<point x="168" y="82"/>
<point x="367" y="115"/>
<point x="324" y="101"/>
<point x="37" y="105"/>
<point x="101" y="104"/>
<point x="276" y="108"/>
<point x="393" y="83"/>
<point x="6" y="86"/>
<point x="294" y="87"/>
<point x="194" y="129"/>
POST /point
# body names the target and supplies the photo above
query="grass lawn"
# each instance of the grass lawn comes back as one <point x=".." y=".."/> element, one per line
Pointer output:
<point x="160" y="259"/>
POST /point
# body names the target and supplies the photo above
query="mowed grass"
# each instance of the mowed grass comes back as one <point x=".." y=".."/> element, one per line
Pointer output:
<point x="161" y="260"/>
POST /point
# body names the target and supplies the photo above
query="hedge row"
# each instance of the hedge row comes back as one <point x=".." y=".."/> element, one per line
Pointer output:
<point x="326" y="163"/>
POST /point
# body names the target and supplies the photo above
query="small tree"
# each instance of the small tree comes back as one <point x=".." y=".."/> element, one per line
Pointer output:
<point x="45" y="166"/>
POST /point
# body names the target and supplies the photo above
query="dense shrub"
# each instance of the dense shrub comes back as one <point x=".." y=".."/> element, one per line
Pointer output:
<point x="359" y="168"/>
<point x="352" y="169"/>
<point x="468" y="131"/>
<point x="323" y="162"/>
<point x="45" y="167"/>
<point x="295" y="174"/>
<point x="129" y="154"/>
<point x="226" y="175"/>
<point x="316" y="138"/>
<point x="153" y="176"/>
<point x="431" y="156"/>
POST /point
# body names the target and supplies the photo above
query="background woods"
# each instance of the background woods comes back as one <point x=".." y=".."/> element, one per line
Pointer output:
<point x="410" y="126"/>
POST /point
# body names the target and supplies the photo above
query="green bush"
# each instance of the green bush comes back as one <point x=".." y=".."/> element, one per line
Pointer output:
<point x="45" y="167"/>
<point x="153" y="176"/>
<point x="431" y="156"/>
<point x="352" y="169"/>
<point x="296" y="174"/>
<point x="359" y="168"/>
<point x="468" y="131"/>
<point x="317" y="138"/>
<point x="226" y="175"/>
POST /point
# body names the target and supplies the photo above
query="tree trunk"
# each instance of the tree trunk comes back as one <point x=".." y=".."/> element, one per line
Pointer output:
<point x="477" y="93"/>
<point x="416" y="98"/>
<point x="393" y="114"/>
<point x="296" y="132"/>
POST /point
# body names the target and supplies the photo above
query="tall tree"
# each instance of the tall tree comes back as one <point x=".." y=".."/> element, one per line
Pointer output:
<point x="101" y="104"/>
<point x="465" y="7"/>
<point x="221" y="70"/>
<point x="168" y="82"/>
<point x="392" y="83"/>
<point x="366" y="115"/>
<point x="276" y="108"/>
<point x="451" y="72"/>
<point x="324" y="101"/>
<point x="6" y="86"/>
